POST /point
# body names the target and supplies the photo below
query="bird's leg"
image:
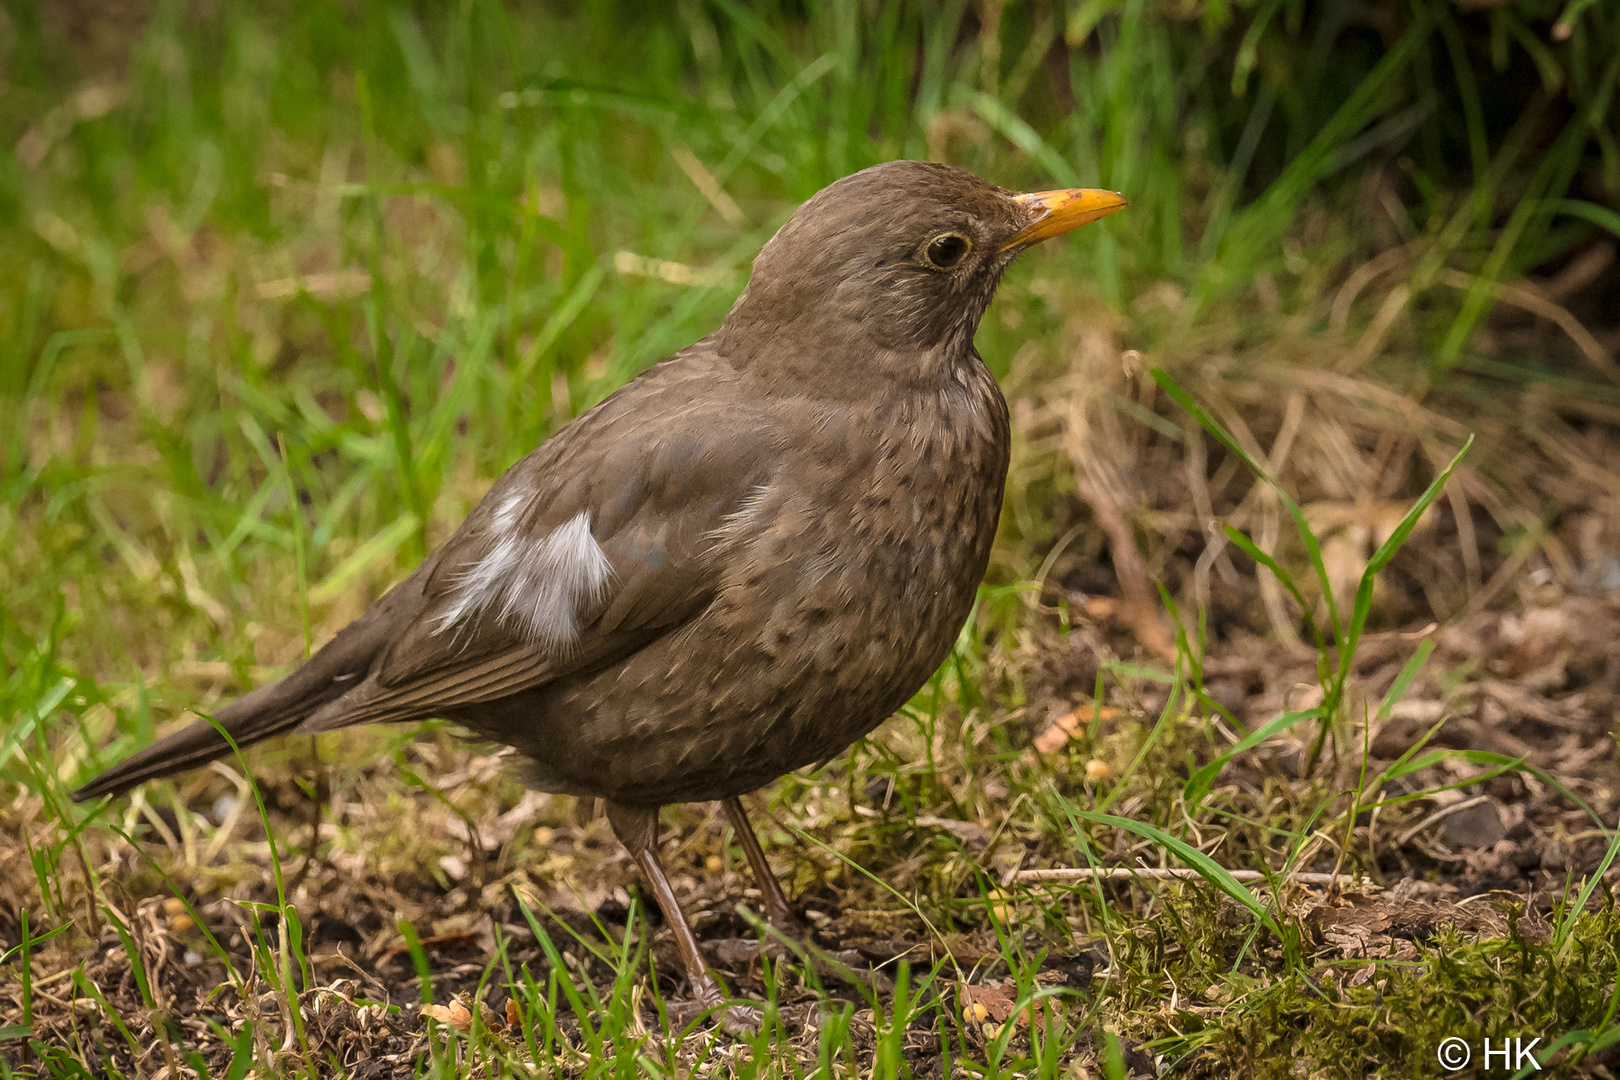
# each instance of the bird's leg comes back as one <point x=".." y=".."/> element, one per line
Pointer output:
<point x="637" y="830"/>
<point x="778" y="912"/>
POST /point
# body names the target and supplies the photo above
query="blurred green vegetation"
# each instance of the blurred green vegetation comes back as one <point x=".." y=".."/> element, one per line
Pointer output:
<point x="286" y="284"/>
<point x="348" y="248"/>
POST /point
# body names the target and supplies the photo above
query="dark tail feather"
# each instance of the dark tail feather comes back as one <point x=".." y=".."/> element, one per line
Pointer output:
<point x="261" y="714"/>
<point x="197" y="744"/>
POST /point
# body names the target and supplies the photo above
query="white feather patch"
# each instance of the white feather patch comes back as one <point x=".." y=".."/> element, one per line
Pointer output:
<point x="506" y="515"/>
<point x="535" y="584"/>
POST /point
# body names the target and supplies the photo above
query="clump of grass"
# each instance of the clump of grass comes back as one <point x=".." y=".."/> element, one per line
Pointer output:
<point x="1254" y="954"/>
<point x="1455" y="989"/>
<point x="1336" y="650"/>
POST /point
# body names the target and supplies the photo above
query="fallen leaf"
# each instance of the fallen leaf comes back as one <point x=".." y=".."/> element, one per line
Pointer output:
<point x="1070" y="724"/>
<point x="987" y="1003"/>
<point x="1051" y="740"/>
<point x="455" y="1014"/>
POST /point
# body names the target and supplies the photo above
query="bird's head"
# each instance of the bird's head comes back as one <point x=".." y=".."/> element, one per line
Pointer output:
<point x="900" y="257"/>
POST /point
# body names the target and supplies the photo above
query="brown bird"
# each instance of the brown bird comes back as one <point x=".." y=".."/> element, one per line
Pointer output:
<point x="736" y="565"/>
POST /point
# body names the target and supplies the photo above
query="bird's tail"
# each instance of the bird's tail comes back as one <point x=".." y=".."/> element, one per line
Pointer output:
<point x="196" y="744"/>
<point x="261" y="714"/>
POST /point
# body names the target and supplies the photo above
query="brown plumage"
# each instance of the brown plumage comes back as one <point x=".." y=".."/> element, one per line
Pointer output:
<point x="736" y="565"/>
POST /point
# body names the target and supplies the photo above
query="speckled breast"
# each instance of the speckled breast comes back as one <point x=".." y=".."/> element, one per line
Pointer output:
<point x="847" y="580"/>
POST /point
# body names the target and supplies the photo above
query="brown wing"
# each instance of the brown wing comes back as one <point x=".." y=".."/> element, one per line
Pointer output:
<point x="647" y="478"/>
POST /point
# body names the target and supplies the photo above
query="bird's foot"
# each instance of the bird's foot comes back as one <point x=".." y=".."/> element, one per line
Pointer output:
<point x="846" y="965"/>
<point x="734" y="1019"/>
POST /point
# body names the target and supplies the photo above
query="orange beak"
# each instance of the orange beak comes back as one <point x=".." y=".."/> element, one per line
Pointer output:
<point x="1053" y="213"/>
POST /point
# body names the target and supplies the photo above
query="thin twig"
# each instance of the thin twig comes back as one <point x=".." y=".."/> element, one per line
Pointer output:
<point x="1167" y="873"/>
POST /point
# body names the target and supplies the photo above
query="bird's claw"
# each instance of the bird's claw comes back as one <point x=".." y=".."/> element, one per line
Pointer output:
<point x="741" y="1020"/>
<point x="734" y="1019"/>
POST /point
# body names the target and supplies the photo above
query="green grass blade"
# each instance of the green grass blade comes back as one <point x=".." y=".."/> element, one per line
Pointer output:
<point x="1566" y="925"/>
<point x="1020" y="134"/>
<point x="1200" y="782"/>
<point x="1601" y="216"/>
<point x="1403" y="681"/>
<point x="1312" y="547"/>
<point x="1380" y="559"/>
<point x="1207" y="868"/>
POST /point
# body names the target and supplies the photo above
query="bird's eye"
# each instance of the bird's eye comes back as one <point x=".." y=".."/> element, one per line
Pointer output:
<point x="947" y="250"/>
